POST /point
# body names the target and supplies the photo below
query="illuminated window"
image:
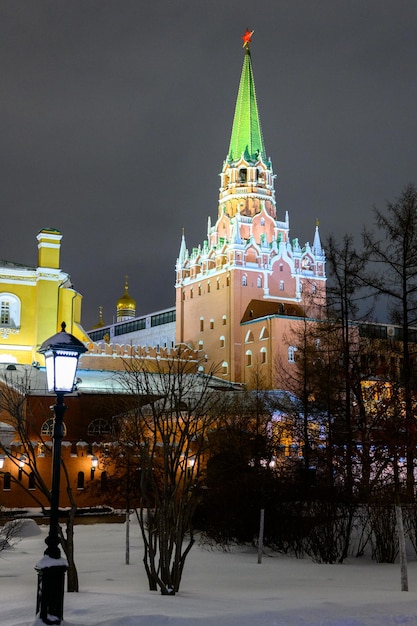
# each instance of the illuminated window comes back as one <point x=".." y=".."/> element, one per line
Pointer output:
<point x="5" y="312"/>
<point x="291" y="354"/>
<point x="9" y="310"/>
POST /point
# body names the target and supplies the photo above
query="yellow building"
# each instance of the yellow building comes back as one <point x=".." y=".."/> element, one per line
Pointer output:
<point x="34" y="301"/>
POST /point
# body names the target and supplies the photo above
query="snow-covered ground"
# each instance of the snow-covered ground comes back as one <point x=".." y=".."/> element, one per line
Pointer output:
<point x="218" y="589"/>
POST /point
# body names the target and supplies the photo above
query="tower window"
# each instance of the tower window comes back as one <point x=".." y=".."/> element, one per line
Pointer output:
<point x="222" y="341"/>
<point x="243" y="175"/>
<point x="224" y="320"/>
<point x="201" y="324"/>
<point x="208" y="287"/>
<point x="227" y="281"/>
<point x="200" y="344"/>
<point x="248" y="358"/>
<point x="244" y="281"/>
<point x="281" y="267"/>
<point x="281" y="285"/>
<point x="263" y="355"/>
<point x="291" y="354"/>
<point x="259" y="281"/>
<point x="191" y="293"/>
<point x="218" y="283"/>
<point x="225" y="367"/>
<point x="7" y="481"/>
<point x="313" y="288"/>
<point x="211" y="324"/>
<point x="199" y="290"/>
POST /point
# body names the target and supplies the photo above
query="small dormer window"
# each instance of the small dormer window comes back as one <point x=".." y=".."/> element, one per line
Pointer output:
<point x="262" y="221"/>
<point x="243" y="175"/>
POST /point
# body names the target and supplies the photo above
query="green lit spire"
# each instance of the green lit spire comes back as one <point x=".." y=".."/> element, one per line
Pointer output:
<point x="246" y="136"/>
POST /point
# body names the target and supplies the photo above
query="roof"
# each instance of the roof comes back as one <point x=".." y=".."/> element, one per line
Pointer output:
<point x="246" y="136"/>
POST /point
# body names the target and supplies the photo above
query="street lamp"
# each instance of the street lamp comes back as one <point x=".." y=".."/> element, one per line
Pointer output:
<point x="61" y="353"/>
<point x="94" y="463"/>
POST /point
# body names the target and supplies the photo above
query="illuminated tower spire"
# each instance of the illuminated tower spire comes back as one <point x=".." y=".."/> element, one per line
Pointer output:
<point x="246" y="139"/>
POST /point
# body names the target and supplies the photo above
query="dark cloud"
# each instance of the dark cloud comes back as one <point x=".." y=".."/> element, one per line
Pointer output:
<point x="115" y="118"/>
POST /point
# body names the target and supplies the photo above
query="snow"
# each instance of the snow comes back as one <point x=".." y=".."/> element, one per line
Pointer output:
<point x="218" y="588"/>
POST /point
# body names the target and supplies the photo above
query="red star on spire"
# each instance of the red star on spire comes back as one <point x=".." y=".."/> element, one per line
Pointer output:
<point x="247" y="38"/>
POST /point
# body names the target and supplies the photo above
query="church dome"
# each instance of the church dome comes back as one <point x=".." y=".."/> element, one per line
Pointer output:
<point x="126" y="306"/>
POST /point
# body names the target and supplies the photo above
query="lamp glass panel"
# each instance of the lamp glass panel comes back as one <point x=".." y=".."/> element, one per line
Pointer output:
<point x="65" y="370"/>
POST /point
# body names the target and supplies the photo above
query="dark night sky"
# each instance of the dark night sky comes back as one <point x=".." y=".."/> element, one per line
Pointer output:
<point x="115" y="118"/>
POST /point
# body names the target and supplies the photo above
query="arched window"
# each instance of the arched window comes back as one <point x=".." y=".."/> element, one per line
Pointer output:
<point x="222" y="341"/>
<point x="281" y="285"/>
<point x="243" y="175"/>
<point x="103" y="481"/>
<point x="200" y="344"/>
<point x="248" y="358"/>
<point x="31" y="481"/>
<point x="99" y="427"/>
<point x="9" y="310"/>
<point x="199" y="290"/>
<point x="263" y="355"/>
<point x="224" y="320"/>
<point x="262" y="221"/>
<point x="211" y="324"/>
<point x="228" y="281"/>
<point x="259" y="281"/>
<point x="208" y="287"/>
<point x="47" y="428"/>
<point x="191" y="293"/>
<point x="225" y="367"/>
<point x="201" y="324"/>
<point x="291" y="354"/>
<point x="80" y="480"/>
<point x="218" y="283"/>
<point x="281" y="267"/>
<point x="244" y="280"/>
<point x="313" y="288"/>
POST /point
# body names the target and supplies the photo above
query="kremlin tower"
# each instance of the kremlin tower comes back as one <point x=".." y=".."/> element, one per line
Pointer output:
<point x="240" y="293"/>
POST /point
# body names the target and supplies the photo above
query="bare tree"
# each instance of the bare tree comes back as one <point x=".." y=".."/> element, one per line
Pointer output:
<point x="393" y="250"/>
<point x="168" y="432"/>
<point x="15" y="402"/>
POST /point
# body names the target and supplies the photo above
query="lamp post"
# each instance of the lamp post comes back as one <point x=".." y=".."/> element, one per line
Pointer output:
<point x="61" y="353"/>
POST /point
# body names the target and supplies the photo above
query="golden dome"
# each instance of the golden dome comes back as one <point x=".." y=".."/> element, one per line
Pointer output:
<point x="126" y="306"/>
<point x="100" y="322"/>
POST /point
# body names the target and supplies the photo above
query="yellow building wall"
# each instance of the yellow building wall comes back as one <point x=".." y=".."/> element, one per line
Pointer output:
<point x="46" y="299"/>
